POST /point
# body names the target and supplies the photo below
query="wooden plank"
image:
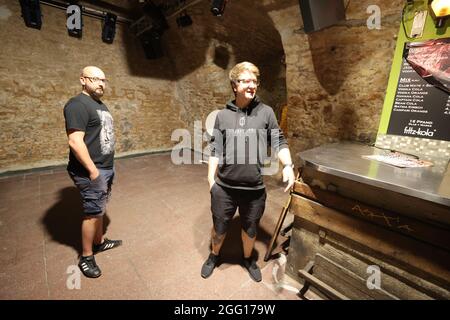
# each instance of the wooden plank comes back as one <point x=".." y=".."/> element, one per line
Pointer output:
<point x="409" y="253"/>
<point x="325" y="288"/>
<point x="380" y="198"/>
<point x="347" y="281"/>
<point x="397" y="281"/>
<point x="341" y="285"/>
<point x="420" y="230"/>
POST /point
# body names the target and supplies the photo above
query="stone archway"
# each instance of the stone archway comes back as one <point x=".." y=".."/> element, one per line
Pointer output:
<point x="202" y="54"/>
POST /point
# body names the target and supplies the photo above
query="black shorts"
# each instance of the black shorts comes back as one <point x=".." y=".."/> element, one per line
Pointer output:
<point x="225" y="201"/>
<point x="94" y="193"/>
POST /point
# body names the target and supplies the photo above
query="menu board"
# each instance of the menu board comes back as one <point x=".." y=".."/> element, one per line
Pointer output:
<point x="422" y="101"/>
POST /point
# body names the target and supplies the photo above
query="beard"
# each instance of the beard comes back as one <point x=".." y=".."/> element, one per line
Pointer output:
<point x="97" y="93"/>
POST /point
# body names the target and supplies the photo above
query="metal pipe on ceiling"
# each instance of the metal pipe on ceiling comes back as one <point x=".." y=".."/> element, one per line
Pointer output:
<point x="94" y="13"/>
<point x="182" y="8"/>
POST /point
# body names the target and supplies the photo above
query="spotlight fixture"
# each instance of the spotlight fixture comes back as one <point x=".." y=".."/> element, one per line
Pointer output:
<point x="31" y="13"/>
<point x="440" y="11"/>
<point x="218" y="7"/>
<point x="184" y="20"/>
<point x="109" y="28"/>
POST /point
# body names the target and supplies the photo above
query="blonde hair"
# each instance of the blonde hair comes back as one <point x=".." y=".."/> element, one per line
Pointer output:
<point x="236" y="71"/>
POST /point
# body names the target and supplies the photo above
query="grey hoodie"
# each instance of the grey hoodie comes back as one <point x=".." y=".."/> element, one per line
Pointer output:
<point x="240" y="140"/>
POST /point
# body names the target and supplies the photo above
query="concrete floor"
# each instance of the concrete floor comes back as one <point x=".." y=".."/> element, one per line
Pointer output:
<point x="161" y="211"/>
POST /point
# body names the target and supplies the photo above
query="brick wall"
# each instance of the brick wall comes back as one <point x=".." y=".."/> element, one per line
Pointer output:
<point x="332" y="81"/>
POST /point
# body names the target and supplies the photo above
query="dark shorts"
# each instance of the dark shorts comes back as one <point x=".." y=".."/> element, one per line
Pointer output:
<point x="225" y="201"/>
<point x="94" y="193"/>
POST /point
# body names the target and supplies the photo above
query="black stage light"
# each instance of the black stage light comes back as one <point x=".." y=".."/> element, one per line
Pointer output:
<point x="218" y="7"/>
<point x="31" y="13"/>
<point x="109" y="28"/>
<point x="184" y="20"/>
<point x="74" y="21"/>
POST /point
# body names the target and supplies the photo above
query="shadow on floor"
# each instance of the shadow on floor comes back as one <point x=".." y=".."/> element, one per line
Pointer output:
<point x="231" y="251"/>
<point x="63" y="220"/>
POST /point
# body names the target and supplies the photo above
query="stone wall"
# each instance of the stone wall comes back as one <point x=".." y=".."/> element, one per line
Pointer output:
<point x="337" y="77"/>
<point x="149" y="99"/>
<point x="332" y="81"/>
<point x="204" y="53"/>
<point x="39" y="72"/>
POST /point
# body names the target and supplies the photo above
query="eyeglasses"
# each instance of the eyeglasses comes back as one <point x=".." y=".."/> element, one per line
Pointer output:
<point x="95" y="79"/>
<point x="247" y="82"/>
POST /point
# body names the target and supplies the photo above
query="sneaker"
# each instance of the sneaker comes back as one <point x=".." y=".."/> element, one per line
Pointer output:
<point x="209" y="265"/>
<point x="253" y="269"/>
<point x="89" y="267"/>
<point x="106" y="245"/>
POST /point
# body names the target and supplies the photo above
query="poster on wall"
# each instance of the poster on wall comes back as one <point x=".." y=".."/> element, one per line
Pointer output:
<point x="422" y="101"/>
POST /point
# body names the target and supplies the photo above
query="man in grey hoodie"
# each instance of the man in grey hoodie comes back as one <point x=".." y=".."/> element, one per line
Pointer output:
<point x="242" y="132"/>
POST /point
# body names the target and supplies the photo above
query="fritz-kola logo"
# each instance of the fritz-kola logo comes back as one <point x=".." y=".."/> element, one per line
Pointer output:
<point x="418" y="132"/>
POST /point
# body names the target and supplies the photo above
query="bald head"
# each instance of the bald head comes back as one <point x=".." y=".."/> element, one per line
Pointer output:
<point x="93" y="81"/>
<point x="92" y="71"/>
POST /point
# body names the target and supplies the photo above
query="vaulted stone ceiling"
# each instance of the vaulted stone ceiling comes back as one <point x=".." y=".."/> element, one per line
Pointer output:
<point x="245" y="31"/>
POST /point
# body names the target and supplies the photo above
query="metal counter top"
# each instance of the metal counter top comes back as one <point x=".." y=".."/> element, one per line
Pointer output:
<point x="345" y="160"/>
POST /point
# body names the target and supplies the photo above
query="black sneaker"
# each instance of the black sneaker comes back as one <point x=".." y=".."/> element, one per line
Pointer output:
<point x="209" y="265"/>
<point x="253" y="269"/>
<point x="89" y="267"/>
<point x="106" y="245"/>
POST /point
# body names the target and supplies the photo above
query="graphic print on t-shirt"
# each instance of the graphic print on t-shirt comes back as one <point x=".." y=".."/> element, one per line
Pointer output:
<point x="107" y="139"/>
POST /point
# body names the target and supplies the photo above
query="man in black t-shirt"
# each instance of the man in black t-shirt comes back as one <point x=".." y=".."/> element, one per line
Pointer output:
<point x="89" y="127"/>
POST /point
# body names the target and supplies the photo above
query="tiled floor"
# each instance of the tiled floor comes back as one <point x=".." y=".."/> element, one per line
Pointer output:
<point x="161" y="212"/>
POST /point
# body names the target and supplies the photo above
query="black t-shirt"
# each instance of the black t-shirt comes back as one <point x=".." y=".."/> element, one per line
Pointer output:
<point x="86" y="114"/>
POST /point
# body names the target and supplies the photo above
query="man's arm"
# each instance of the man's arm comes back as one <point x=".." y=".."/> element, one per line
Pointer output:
<point x="213" y="163"/>
<point x="279" y="142"/>
<point x="78" y="147"/>
<point x="288" y="172"/>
